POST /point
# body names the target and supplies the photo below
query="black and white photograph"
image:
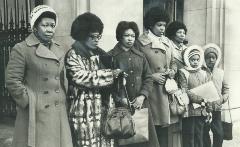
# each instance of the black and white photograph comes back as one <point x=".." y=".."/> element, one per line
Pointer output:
<point x="119" y="73"/>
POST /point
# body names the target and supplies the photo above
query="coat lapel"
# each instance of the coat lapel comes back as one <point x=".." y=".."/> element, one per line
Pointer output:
<point x="44" y="52"/>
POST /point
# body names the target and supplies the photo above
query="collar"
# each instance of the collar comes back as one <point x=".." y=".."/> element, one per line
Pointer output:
<point x="118" y="50"/>
<point x="32" y="40"/>
<point x="83" y="50"/>
<point x="145" y="39"/>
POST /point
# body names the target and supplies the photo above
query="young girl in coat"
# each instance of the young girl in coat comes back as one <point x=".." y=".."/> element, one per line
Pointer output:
<point x="212" y="55"/>
<point x="192" y="76"/>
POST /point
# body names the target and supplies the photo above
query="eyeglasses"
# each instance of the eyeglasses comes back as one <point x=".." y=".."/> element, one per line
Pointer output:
<point x="95" y="37"/>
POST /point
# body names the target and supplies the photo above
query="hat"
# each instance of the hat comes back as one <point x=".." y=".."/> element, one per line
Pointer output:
<point x="38" y="11"/>
<point x="191" y="51"/>
<point x="213" y="48"/>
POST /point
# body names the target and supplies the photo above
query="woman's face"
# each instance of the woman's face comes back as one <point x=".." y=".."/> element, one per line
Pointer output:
<point x="159" y="28"/>
<point x="45" y="29"/>
<point x="128" y="38"/>
<point x="180" y="36"/>
<point x="93" y="40"/>
<point x="194" y="61"/>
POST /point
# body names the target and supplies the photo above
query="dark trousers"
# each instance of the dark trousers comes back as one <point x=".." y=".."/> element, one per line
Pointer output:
<point x="192" y="131"/>
<point x="217" y="130"/>
<point x="162" y="134"/>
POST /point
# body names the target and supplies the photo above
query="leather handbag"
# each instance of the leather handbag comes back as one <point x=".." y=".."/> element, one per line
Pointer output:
<point x="119" y="123"/>
<point x="227" y="127"/>
<point x="140" y="118"/>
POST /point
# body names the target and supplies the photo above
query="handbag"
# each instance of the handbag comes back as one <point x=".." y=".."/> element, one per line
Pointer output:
<point x="140" y="118"/>
<point x="227" y="127"/>
<point x="119" y="123"/>
<point x="176" y="107"/>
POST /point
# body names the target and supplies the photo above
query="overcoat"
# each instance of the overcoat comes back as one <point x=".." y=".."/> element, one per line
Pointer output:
<point x="139" y="82"/>
<point x="160" y="59"/>
<point x="35" y="79"/>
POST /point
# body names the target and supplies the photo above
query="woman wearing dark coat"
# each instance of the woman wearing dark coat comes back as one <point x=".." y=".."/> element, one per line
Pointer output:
<point x="35" y="79"/>
<point x="158" y="51"/>
<point x="129" y="59"/>
<point x="88" y="80"/>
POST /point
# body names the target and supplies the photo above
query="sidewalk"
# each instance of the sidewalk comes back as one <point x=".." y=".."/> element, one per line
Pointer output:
<point x="6" y="131"/>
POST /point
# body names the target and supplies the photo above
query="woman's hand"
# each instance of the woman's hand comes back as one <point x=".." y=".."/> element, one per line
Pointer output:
<point x="139" y="102"/>
<point x="159" y="77"/>
<point x="116" y="72"/>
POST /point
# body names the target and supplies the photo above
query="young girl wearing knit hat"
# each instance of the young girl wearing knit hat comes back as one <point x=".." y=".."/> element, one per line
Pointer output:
<point x="192" y="76"/>
<point x="212" y="55"/>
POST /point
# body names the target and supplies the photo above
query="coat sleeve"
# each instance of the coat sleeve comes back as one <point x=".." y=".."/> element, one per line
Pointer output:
<point x="225" y="89"/>
<point x="79" y="75"/>
<point x="15" y="76"/>
<point x="184" y="85"/>
<point x="147" y="83"/>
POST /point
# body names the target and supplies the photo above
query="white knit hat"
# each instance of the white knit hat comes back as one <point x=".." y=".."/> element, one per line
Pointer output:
<point x="38" y="11"/>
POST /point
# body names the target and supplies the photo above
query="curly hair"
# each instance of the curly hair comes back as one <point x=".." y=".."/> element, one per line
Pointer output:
<point x="173" y="27"/>
<point x="125" y="25"/>
<point x="85" y="24"/>
<point x="155" y="15"/>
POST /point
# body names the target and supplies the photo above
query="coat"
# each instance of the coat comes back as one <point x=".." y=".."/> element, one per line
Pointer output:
<point x="35" y="80"/>
<point x="160" y="59"/>
<point x="89" y="84"/>
<point x="139" y="82"/>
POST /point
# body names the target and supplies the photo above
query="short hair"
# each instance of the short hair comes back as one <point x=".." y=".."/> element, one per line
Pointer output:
<point x="85" y="24"/>
<point x="173" y="27"/>
<point x="46" y="14"/>
<point x="125" y="25"/>
<point x="155" y="15"/>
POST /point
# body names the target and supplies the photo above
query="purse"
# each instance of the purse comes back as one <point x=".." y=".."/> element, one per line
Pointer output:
<point x="140" y="118"/>
<point x="227" y="127"/>
<point x="119" y="123"/>
<point x="176" y="107"/>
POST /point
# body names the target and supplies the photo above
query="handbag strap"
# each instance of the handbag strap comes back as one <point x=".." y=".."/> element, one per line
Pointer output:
<point x="125" y="90"/>
<point x="229" y="110"/>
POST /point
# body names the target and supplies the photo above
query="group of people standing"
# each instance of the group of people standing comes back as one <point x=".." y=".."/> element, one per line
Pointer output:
<point x="63" y="95"/>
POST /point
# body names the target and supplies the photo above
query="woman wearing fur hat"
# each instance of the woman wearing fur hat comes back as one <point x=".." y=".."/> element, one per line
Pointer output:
<point x="35" y="79"/>
<point x="176" y="32"/>
<point x="212" y="55"/>
<point x="192" y="76"/>
<point x="88" y="80"/>
<point x="158" y="51"/>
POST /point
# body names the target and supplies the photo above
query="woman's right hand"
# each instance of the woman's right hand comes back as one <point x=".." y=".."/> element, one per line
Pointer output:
<point x="159" y="78"/>
<point x="116" y="72"/>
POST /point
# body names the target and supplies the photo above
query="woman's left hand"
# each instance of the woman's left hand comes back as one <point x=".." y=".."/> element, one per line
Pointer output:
<point x="139" y="102"/>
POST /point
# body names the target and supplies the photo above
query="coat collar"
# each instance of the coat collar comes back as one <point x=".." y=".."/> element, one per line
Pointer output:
<point x="118" y="50"/>
<point x="82" y="50"/>
<point x="144" y="39"/>
<point x="55" y="52"/>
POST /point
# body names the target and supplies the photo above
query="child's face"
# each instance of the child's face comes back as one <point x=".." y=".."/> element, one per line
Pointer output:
<point x="194" y="61"/>
<point x="210" y="60"/>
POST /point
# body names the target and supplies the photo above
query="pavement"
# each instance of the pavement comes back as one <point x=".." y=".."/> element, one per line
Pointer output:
<point x="7" y="127"/>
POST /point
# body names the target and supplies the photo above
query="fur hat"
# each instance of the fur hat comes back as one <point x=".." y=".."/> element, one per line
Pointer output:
<point x="213" y="48"/>
<point x="191" y="51"/>
<point x="38" y="11"/>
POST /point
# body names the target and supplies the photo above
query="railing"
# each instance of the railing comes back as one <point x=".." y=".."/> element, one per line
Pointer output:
<point x="14" y="28"/>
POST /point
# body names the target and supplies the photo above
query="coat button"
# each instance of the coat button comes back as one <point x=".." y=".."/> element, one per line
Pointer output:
<point x="132" y="85"/>
<point x="129" y="59"/>
<point x="57" y="78"/>
<point x="45" y="92"/>
<point x="57" y="63"/>
<point x="158" y="68"/>
<point x="57" y="90"/>
<point x="156" y="52"/>
<point x="56" y="103"/>
<point x="131" y="71"/>
<point x="45" y="79"/>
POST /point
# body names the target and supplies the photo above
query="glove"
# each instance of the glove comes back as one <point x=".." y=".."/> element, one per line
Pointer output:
<point x="217" y="105"/>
